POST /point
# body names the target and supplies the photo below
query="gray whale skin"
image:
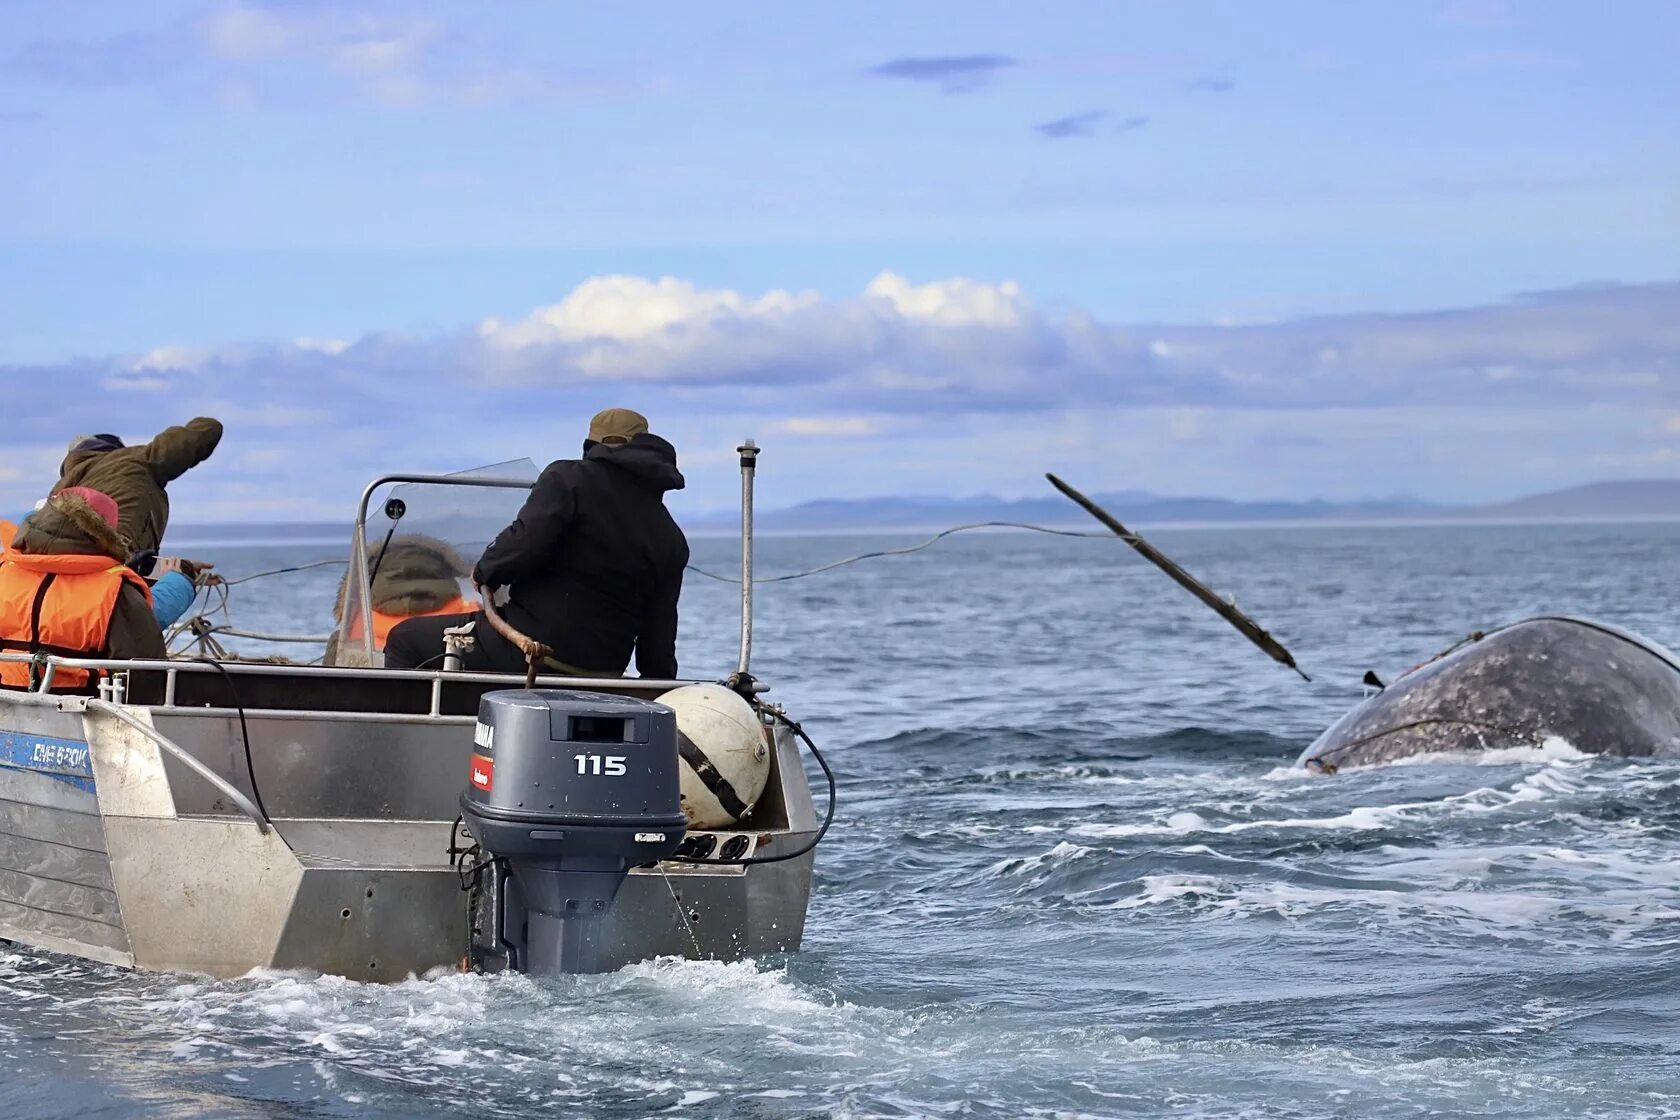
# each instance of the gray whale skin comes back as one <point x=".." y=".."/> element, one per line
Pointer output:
<point x="1601" y="689"/>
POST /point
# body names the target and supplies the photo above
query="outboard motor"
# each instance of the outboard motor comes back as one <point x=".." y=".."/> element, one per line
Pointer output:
<point x="569" y="790"/>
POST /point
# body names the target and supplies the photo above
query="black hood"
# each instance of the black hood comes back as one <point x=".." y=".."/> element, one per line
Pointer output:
<point x="89" y="445"/>
<point x="646" y="456"/>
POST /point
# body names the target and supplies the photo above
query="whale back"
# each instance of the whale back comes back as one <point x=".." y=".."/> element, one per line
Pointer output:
<point x="1600" y="689"/>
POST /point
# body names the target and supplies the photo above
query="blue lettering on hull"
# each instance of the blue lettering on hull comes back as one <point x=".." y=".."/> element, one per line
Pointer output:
<point x="63" y="760"/>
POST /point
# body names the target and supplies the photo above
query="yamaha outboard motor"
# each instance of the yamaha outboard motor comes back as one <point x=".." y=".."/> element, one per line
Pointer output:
<point x="569" y="790"/>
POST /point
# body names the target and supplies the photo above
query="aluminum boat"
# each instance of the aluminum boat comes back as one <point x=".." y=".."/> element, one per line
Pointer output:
<point x="222" y="816"/>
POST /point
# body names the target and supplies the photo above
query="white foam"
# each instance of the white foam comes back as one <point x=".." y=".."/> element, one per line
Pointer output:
<point x="1185" y="823"/>
<point x="1556" y="778"/>
<point x="1553" y="748"/>
<point x="1614" y="917"/>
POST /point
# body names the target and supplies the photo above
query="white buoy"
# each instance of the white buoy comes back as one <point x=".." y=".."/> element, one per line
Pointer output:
<point x="725" y="754"/>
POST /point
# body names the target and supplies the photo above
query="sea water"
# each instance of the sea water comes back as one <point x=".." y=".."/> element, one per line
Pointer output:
<point x="1074" y="872"/>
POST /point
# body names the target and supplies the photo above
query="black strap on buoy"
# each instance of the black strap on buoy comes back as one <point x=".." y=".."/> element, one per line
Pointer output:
<point x="711" y="777"/>
<point x="1227" y="610"/>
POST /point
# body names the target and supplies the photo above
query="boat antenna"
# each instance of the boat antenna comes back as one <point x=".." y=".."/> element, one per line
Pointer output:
<point x="1226" y="609"/>
<point x="741" y="680"/>
<point x="396" y="509"/>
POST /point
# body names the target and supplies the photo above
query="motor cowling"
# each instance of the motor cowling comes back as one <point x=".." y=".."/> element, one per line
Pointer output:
<point x="570" y="790"/>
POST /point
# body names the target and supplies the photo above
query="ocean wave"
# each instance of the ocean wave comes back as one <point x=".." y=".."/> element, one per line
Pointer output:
<point x="1602" y="917"/>
<point x="1554" y="782"/>
<point x="1033" y="867"/>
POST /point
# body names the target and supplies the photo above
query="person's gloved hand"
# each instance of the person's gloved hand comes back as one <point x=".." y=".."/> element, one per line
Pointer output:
<point x="196" y="570"/>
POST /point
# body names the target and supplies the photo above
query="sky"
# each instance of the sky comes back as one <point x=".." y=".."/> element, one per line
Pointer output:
<point x="1254" y="250"/>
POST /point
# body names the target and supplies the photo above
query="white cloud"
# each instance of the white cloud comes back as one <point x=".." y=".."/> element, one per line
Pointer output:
<point x="247" y="31"/>
<point x="265" y="51"/>
<point x="630" y="308"/>
<point x="135" y="382"/>
<point x="847" y="427"/>
<point x="364" y="43"/>
<point x="253" y="53"/>
<point x="961" y="344"/>
<point x="951" y="303"/>
<point x="633" y="309"/>
<point x="1539" y="389"/>
<point x="167" y="358"/>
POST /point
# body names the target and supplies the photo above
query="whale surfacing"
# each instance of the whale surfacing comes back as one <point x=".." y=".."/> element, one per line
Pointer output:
<point x="1601" y="689"/>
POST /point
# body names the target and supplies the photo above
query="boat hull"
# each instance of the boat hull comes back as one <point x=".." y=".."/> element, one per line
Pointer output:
<point x="116" y="849"/>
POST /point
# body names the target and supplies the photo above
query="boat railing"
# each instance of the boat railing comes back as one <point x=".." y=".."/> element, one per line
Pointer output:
<point x="437" y="678"/>
<point x="185" y="757"/>
<point x="117" y="702"/>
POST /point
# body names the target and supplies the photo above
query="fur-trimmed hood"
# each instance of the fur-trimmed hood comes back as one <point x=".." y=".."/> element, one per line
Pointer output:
<point x="417" y="575"/>
<point x="68" y="526"/>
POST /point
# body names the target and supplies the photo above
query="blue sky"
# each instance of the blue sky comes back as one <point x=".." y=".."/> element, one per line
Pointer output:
<point x="1257" y="249"/>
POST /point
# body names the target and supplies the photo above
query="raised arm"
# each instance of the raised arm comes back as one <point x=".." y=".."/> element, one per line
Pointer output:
<point x="528" y="545"/>
<point x="175" y="451"/>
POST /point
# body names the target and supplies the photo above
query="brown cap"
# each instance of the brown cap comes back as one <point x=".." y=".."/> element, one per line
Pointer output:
<point x="617" y="425"/>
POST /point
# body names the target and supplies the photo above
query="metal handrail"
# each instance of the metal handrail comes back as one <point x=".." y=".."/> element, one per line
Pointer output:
<point x="443" y="479"/>
<point x="257" y="668"/>
<point x="181" y="755"/>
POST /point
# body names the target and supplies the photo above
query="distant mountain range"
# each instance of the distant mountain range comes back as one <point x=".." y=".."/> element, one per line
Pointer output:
<point x="1621" y="500"/>
<point x="1651" y="497"/>
<point x="1642" y="498"/>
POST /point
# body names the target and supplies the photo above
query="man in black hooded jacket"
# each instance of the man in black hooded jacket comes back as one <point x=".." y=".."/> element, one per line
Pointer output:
<point x="594" y="565"/>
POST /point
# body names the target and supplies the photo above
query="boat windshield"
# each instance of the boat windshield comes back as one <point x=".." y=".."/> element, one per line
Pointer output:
<point x="424" y="537"/>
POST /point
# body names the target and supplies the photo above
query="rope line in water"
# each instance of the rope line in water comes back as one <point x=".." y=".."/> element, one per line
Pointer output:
<point x="929" y="543"/>
<point x="829" y="567"/>
<point x="284" y="571"/>
<point x="198" y="623"/>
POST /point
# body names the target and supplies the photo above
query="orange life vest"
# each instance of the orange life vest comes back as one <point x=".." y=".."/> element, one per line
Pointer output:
<point x="61" y="605"/>
<point x="384" y="623"/>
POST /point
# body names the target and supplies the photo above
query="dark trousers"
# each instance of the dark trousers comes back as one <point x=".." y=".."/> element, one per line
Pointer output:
<point x="417" y="643"/>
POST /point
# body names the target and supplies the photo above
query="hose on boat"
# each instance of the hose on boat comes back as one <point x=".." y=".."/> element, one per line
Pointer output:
<point x="470" y="862"/>
<point x="245" y="738"/>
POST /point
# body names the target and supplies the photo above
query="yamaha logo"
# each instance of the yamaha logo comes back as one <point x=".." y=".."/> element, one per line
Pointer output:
<point x="483" y="772"/>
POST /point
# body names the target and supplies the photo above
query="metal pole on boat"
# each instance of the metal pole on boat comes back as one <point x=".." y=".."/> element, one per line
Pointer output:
<point x="359" y="573"/>
<point x="749" y="467"/>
